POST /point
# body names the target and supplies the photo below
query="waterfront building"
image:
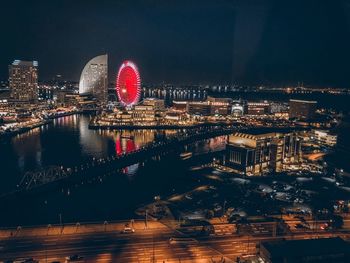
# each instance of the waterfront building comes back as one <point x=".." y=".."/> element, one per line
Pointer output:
<point x="94" y="79"/>
<point x="256" y="153"/>
<point x="180" y="105"/>
<point x="23" y="81"/>
<point x="212" y="106"/>
<point x="302" y="109"/>
<point x="157" y="104"/>
<point x="45" y="92"/>
<point x="198" y="108"/>
<point x="119" y="117"/>
<point x="258" y="108"/>
<point x="220" y="106"/>
<point x="175" y="116"/>
<point x="59" y="96"/>
<point x="143" y="114"/>
<point x="237" y="108"/>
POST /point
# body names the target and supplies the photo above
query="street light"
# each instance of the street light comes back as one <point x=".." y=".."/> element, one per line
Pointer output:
<point x="77" y="226"/>
<point x="18" y="229"/>
<point x="48" y="228"/>
<point x="105" y="223"/>
<point x="61" y="224"/>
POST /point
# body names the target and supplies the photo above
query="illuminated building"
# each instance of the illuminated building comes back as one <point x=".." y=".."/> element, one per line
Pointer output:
<point x="45" y="92"/>
<point x="212" y="106"/>
<point x="257" y="108"/>
<point x="144" y="114"/>
<point x="157" y="104"/>
<point x="220" y="106"/>
<point x="23" y="81"/>
<point x="175" y="115"/>
<point x="128" y="84"/>
<point x="325" y="137"/>
<point x="302" y="109"/>
<point x="237" y="110"/>
<point x="198" y="108"/>
<point x="94" y="80"/>
<point x="59" y="96"/>
<point x="180" y="105"/>
<point x="253" y="154"/>
<point x="278" y="107"/>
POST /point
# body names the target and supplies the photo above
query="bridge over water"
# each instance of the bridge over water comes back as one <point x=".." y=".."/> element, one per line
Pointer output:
<point x="56" y="176"/>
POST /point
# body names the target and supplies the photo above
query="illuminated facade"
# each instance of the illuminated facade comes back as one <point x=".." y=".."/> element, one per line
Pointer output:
<point x="220" y="106"/>
<point x="157" y="104"/>
<point x="237" y="110"/>
<point x="128" y="84"/>
<point x="180" y="105"/>
<point x="23" y="80"/>
<point x="254" y="154"/>
<point x="94" y="78"/>
<point x="211" y="106"/>
<point x="198" y="108"/>
<point x="258" y="108"/>
<point x="144" y="114"/>
<point x="325" y="137"/>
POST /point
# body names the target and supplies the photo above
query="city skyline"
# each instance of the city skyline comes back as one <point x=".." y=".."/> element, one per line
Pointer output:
<point x="254" y="42"/>
<point x="175" y="131"/>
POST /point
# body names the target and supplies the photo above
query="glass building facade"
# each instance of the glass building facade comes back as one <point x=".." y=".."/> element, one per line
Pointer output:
<point x="94" y="78"/>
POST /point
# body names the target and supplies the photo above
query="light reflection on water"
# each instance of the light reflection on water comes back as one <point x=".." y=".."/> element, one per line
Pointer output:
<point x="69" y="142"/>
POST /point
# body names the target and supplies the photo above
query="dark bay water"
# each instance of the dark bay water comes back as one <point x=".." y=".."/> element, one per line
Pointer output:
<point x="68" y="142"/>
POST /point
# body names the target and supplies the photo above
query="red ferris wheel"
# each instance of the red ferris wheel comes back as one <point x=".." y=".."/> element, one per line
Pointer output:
<point x="128" y="84"/>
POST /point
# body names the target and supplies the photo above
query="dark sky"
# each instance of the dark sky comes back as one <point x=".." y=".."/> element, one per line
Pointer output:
<point x="184" y="42"/>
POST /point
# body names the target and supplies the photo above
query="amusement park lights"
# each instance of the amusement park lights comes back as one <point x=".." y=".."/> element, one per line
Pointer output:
<point x="128" y="84"/>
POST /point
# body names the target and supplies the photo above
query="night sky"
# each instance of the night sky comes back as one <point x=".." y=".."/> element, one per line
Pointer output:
<point x="184" y="42"/>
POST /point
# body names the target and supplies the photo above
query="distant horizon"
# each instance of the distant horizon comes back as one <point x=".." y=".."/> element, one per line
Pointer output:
<point x="267" y="42"/>
<point x="162" y="84"/>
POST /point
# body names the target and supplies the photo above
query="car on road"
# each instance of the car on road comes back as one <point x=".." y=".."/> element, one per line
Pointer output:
<point x="74" y="258"/>
<point x="128" y="229"/>
<point x="325" y="226"/>
<point x="182" y="240"/>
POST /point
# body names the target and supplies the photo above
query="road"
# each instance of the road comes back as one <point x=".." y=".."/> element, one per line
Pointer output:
<point x="145" y="245"/>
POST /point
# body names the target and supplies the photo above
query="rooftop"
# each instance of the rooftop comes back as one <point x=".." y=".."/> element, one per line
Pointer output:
<point x="24" y="63"/>
<point x="304" y="101"/>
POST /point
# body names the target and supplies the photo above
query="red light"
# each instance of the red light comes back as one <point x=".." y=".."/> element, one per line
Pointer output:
<point x="128" y="84"/>
<point x="130" y="146"/>
<point x="118" y="147"/>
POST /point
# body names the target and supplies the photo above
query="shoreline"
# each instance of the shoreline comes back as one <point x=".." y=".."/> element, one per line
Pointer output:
<point x="10" y="134"/>
<point x="155" y="127"/>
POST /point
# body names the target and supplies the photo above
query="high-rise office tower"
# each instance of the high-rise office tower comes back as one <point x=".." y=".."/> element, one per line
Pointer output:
<point x="23" y="80"/>
<point x="94" y="80"/>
